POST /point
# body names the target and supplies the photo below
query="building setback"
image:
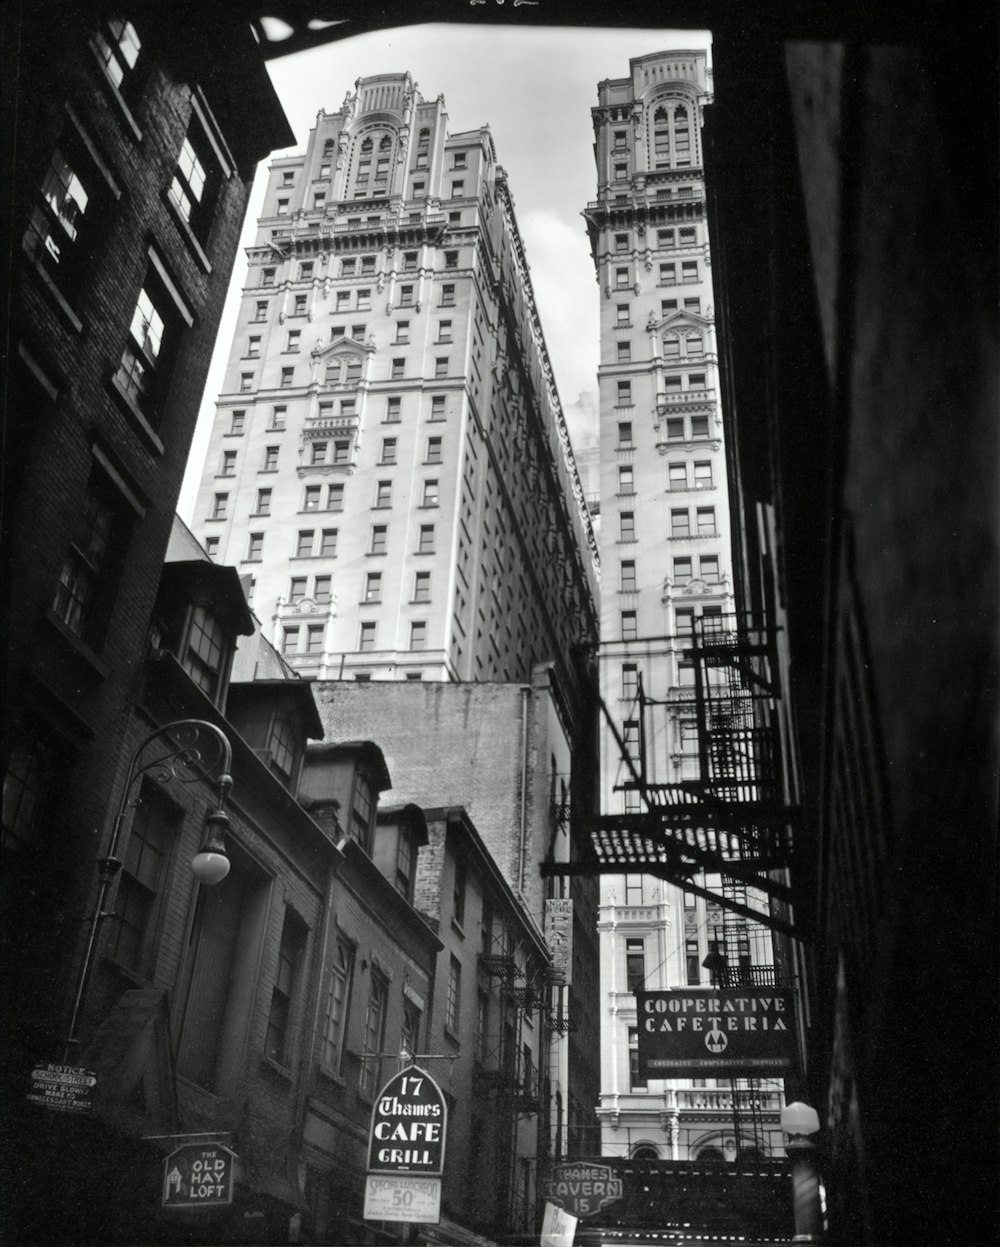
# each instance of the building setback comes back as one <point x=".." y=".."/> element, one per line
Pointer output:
<point x="389" y="459"/>
<point x="666" y="560"/>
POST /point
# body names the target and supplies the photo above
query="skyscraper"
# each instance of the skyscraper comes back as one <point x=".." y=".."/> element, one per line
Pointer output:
<point x="665" y="554"/>
<point x="389" y="459"/>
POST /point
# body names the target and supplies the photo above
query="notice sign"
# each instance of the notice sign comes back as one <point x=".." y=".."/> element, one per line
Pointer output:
<point x="198" y="1175"/>
<point x="409" y="1124"/>
<point x="558" y="1227"/>
<point x="744" y="1032"/>
<point x="66" y="1088"/>
<point x="389" y="1198"/>
<point x="559" y="937"/>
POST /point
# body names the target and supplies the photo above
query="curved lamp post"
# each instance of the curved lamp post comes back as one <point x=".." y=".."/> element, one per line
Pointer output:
<point x="192" y="743"/>
<point x="799" y="1122"/>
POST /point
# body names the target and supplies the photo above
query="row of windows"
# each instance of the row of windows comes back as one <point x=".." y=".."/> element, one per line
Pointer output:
<point x="683" y="569"/>
<point x="350" y="266"/>
<point x="677" y="384"/>
<point x="322" y="588"/>
<point x="322" y="543"/>
<point x="311" y="638"/>
<point x="686" y="236"/>
<point x="688" y="272"/>
<point x="328" y="497"/>
<point x="335" y="452"/>
<point x="397" y="366"/>
<point x="623" y="311"/>
<point x="677" y="477"/>
<point x="344" y="409"/>
<point x="680" y="523"/>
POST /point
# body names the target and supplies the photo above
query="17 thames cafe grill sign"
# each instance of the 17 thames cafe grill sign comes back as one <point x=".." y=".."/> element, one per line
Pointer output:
<point x="693" y="1034"/>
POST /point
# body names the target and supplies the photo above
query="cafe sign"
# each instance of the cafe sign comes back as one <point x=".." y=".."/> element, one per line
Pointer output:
<point x="408" y="1127"/>
<point x="742" y="1033"/>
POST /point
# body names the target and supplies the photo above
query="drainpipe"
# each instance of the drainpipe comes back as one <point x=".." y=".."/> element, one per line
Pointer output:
<point x="523" y="834"/>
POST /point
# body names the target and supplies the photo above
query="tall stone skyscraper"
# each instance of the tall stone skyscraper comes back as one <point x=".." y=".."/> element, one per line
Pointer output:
<point x="389" y="460"/>
<point x="666" y="572"/>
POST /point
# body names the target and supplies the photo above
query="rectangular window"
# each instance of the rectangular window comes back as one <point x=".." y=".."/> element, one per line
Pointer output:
<point x="706" y="521"/>
<point x="297" y="590"/>
<point x="430" y="495"/>
<point x="228" y="465"/>
<point x="341" y="451"/>
<point x="630" y="738"/>
<point x="68" y="211"/>
<point x="629" y="626"/>
<point x="255" y="547"/>
<point x="279" y="1020"/>
<point x="328" y="543"/>
<point x="621" y="314"/>
<point x="684" y="621"/>
<point x="263" y="504"/>
<point x="630" y="682"/>
<point x="278" y="415"/>
<point x="402" y="332"/>
<point x="219" y="505"/>
<point x="621" y="242"/>
<point x="152" y="341"/>
<point x="393" y="410"/>
<point x="366" y="638"/>
<point x="373" y="587"/>
<point x="676" y="476"/>
<point x="675" y="428"/>
<point x="287" y="376"/>
<point x="680" y="523"/>
<point x="378" y="540"/>
<point x="451" y="259"/>
<point x="703" y="475"/>
<point x="636" y="1080"/>
<point x="668" y="274"/>
<point x="624" y="352"/>
<point x="335" y="497"/>
<point x="689" y="270"/>
<point x="364" y="300"/>
<point x="388" y="452"/>
<point x="370" y="1075"/>
<point x="626" y="481"/>
<point x="197" y="179"/>
<point x="237" y="422"/>
<point x="621" y="279"/>
<point x="635" y="965"/>
<point x="405" y="298"/>
<point x="422" y="587"/>
<point x="626" y="526"/>
<point x="625" y="435"/>
<point x="425" y="543"/>
<point x="441" y="366"/>
<point x="444" y="331"/>
<point x="709" y="567"/>
<point x="624" y="393"/>
<point x="396" y="370"/>
<point x="699" y="427"/>
<point x="692" y="958"/>
<point x="383" y="493"/>
<point x="418" y="635"/>
<point x="434" y="450"/>
<point x="270" y="459"/>
<point x="304" y="543"/>
<point x="312" y="498"/>
<point x="448" y="295"/>
<point x="628" y="582"/>
<point x="153" y="829"/>
<point x="267" y="276"/>
<point x="453" y="1003"/>
<point x="294" y="340"/>
<point x="682" y="570"/>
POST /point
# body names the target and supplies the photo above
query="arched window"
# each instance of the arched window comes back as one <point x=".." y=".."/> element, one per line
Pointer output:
<point x="367" y="144"/>
<point x="384" y="143"/>
<point x="645" y="1151"/>
<point x="711" y="1155"/>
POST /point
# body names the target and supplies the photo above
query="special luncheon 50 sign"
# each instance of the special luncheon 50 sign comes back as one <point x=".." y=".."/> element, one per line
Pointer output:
<point x="694" y="1033"/>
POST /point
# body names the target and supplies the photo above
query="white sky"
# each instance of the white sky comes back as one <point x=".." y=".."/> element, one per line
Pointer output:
<point x="534" y="88"/>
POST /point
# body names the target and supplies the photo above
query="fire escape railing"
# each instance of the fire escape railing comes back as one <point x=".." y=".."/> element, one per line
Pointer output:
<point x="728" y="827"/>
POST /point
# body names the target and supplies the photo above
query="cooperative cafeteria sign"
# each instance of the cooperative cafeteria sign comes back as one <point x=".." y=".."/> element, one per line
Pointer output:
<point x="743" y="1032"/>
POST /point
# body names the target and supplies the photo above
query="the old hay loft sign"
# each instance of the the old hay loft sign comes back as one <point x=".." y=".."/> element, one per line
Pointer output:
<point x="409" y="1123"/>
<point x="698" y="1033"/>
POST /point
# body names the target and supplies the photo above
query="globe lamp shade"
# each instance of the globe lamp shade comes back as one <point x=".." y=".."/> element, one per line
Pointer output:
<point x="211" y="864"/>
<point x="799" y="1119"/>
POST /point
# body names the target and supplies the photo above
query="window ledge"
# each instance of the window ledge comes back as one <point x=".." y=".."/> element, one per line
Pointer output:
<point x="56" y="295"/>
<point x="330" y="1074"/>
<point x="450" y="1034"/>
<point x="81" y="648"/>
<point x="138" y="421"/>
<point x="275" y="1067"/>
<point x="187" y="233"/>
<point x="125" y="112"/>
<point x="457" y="926"/>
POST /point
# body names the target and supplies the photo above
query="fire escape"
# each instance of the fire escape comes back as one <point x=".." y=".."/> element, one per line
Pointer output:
<point x="506" y="1073"/>
<point x="724" y="834"/>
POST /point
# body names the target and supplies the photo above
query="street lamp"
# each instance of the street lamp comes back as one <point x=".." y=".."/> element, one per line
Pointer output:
<point x="799" y="1122"/>
<point x="192" y="743"/>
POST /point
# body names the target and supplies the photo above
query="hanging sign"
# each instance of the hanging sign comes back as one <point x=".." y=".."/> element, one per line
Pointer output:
<point x="559" y="937"/>
<point x="198" y="1175"/>
<point x="742" y="1033"/>
<point x="409" y="1124"/>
